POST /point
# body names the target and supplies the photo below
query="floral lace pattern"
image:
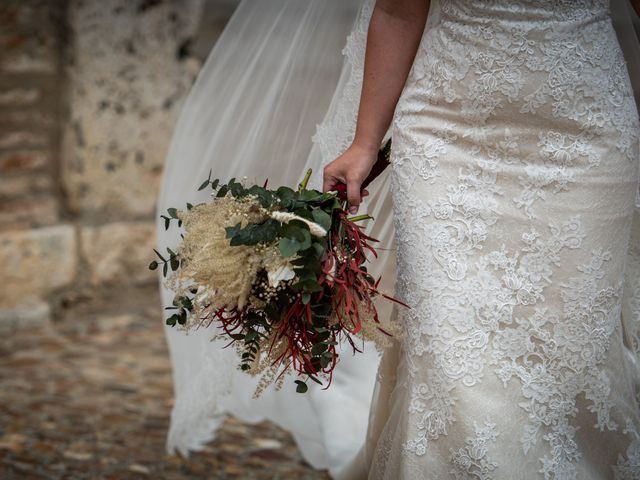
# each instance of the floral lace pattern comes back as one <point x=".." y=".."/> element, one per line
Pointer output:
<point x="471" y="461"/>
<point x="512" y="242"/>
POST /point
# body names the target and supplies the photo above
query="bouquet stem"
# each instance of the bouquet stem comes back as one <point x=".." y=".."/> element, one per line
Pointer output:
<point x="305" y="181"/>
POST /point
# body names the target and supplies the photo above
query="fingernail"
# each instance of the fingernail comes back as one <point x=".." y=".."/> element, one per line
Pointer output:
<point x="353" y="209"/>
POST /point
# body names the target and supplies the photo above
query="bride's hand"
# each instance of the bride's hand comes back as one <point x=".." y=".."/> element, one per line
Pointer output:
<point x="350" y="168"/>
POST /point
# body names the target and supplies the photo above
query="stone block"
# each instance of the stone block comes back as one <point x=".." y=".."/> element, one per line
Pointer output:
<point x="28" y="212"/>
<point x="20" y="96"/>
<point x="23" y="160"/>
<point x="24" y="186"/>
<point x="31" y="119"/>
<point x="126" y="86"/>
<point x="34" y="263"/>
<point x="39" y="60"/>
<point x="21" y="139"/>
<point x="34" y="315"/>
<point x="119" y="252"/>
<point x="30" y="35"/>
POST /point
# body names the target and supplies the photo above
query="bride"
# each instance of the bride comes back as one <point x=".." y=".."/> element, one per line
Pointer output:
<point x="515" y="165"/>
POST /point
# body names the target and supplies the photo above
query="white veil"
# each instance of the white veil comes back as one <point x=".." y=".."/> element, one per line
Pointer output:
<point x="274" y="74"/>
<point x="253" y="110"/>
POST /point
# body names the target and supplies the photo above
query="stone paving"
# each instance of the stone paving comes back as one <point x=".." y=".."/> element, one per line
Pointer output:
<point x="89" y="395"/>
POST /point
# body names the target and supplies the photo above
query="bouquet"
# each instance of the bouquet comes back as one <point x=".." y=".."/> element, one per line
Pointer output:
<point x="281" y="274"/>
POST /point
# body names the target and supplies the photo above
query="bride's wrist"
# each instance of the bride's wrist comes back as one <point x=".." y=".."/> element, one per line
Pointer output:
<point x="367" y="147"/>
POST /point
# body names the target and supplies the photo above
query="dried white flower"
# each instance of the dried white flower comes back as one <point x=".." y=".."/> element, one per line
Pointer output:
<point x="284" y="271"/>
<point x="286" y="217"/>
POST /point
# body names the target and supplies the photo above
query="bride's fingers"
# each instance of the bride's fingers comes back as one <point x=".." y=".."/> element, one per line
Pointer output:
<point x="328" y="183"/>
<point x="353" y="195"/>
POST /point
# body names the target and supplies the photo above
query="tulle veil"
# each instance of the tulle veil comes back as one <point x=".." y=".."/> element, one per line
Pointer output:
<point x="275" y="97"/>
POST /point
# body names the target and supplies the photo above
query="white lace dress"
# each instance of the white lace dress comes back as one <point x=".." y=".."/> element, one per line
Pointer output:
<point x="515" y="170"/>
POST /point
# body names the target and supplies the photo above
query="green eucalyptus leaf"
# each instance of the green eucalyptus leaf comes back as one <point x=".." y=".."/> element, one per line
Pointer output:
<point x="310" y="195"/>
<point x="265" y="197"/>
<point x="255" y="233"/>
<point x="301" y="386"/>
<point x="322" y="218"/>
<point x="318" y="349"/>
<point x="222" y="191"/>
<point x="286" y="196"/>
<point x="251" y="336"/>
<point x="324" y="336"/>
<point x="232" y="231"/>
<point x="288" y="247"/>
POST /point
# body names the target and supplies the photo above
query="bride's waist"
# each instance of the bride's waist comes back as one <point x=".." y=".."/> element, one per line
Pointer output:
<point x="524" y="14"/>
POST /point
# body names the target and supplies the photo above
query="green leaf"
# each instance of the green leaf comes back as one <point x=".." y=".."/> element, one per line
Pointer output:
<point x="167" y="223"/>
<point x="254" y="233"/>
<point x="310" y="286"/>
<point x="288" y="247"/>
<point x="172" y="320"/>
<point x="310" y="195"/>
<point x="251" y="336"/>
<point x="236" y="189"/>
<point x="165" y="269"/>
<point x="302" y="387"/>
<point x="325" y="361"/>
<point x="318" y="249"/>
<point x="299" y="232"/>
<point x="232" y="231"/>
<point x="306" y="298"/>
<point x="265" y="197"/>
<point x="204" y="185"/>
<point x="153" y="265"/>
<point x="158" y="253"/>
<point x="322" y="218"/>
<point x="173" y="212"/>
<point x="175" y="264"/>
<point x="286" y="196"/>
<point x="324" y="335"/>
<point x="318" y="348"/>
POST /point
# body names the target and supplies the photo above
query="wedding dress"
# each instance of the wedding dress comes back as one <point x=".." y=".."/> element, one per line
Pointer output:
<point x="514" y="173"/>
<point x="515" y="169"/>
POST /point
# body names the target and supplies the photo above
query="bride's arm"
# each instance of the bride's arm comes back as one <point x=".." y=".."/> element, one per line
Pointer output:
<point x="392" y="41"/>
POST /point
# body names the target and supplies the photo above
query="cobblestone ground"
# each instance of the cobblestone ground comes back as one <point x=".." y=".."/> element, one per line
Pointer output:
<point x="89" y="397"/>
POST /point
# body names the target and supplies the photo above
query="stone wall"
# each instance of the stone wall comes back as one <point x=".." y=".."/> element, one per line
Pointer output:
<point x="89" y="93"/>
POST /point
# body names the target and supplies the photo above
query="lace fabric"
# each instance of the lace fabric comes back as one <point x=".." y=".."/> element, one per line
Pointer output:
<point x="515" y="168"/>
